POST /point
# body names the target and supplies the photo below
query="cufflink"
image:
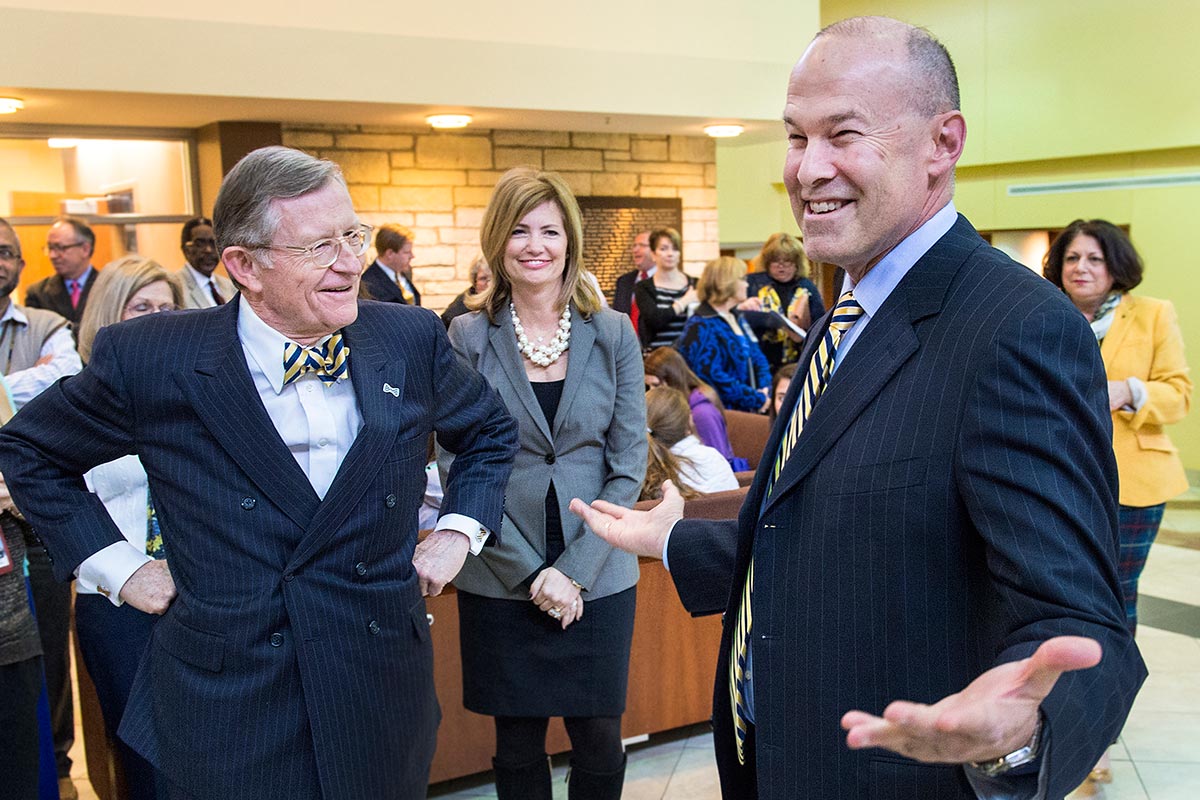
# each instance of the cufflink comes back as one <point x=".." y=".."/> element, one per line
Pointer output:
<point x="104" y="591"/>
<point x="482" y="535"/>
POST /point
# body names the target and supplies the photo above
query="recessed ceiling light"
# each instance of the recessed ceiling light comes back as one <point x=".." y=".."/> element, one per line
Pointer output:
<point x="62" y="144"/>
<point x="10" y="105"/>
<point x="443" y="121"/>
<point x="724" y="131"/>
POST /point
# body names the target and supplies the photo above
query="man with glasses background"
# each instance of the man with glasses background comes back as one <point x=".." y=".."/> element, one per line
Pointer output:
<point x="202" y="287"/>
<point x="36" y="349"/>
<point x="285" y="449"/>
<point x="69" y="244"/>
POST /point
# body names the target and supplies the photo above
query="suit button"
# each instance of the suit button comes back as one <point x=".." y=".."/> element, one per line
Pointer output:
<point x="373" y="628"/>
<point x="248" y="503"/>
<point x="549" y="458"/>
<point x="276" y="640"/>
<point x="361" y="568"/>
<point x="287" y="576"/>
<point x="390" y="501"/>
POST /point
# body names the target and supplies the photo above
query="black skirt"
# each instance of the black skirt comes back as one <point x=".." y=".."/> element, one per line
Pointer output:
<point x="517" y="661"/>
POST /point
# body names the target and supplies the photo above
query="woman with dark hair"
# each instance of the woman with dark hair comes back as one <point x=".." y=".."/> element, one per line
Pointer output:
<point x="779" y="389"/>
<point x="782" y="286"/>
<point x="664" y="299"/>
<point x="718" y="344"/>
<point x="569" y="372"/>
<point x="665" y="367"/>
<point x="675" y="452"/>
<point x="1094" y="262"/>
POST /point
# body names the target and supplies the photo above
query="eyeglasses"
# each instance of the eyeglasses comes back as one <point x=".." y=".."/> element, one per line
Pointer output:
<point x="9" y="253"/>
<point x="59" y="249"/>
<point x="143" y="307"/>
<point x="324" y="253"/>
<point x="200" y="244"/>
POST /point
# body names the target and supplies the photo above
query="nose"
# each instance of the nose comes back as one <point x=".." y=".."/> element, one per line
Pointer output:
<point x="814" y="164"/>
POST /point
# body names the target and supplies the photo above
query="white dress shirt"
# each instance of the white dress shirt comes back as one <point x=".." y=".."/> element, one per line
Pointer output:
<point x="26" y="384"/>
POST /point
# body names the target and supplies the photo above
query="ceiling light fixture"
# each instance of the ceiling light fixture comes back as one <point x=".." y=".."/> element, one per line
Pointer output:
<point x="724" y="131"/>
<point x="446" y="121"/>
<point x="10" y="105"/>
<point x="62" y="144"/>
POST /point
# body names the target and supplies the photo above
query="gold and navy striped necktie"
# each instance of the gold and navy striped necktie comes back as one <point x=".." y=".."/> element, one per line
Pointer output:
<point x="845" y="314"/>
<point x="330" y="361"/>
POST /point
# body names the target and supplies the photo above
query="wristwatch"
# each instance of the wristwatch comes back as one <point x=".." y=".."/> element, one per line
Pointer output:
<point x="1017" y="758"/>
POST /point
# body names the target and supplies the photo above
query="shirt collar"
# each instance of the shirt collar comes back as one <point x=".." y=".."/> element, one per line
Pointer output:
<point x="881" y="279"/>
<point x="15" y="313"/>
<point x="83" y="279"/>
<point x="201" y="279"/>
<point x="263" y="343"/>
<point x="391" y="273"/>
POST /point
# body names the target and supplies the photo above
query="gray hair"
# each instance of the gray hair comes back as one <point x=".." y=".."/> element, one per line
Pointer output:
<point x="243" y="214"/>
<point x="479" y="263"/>
<point x="935" y="88"/>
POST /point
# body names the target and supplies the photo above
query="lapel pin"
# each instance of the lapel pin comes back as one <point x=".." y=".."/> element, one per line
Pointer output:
<point x="394" y="391"/>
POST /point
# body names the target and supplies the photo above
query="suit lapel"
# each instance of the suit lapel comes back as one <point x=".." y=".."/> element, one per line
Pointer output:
<point x="223" y="396"/>
<point x="1123" y="316"/>
<point x="889" y="341"/>
<point x="370" y="369"/>
<point x="504" y="343"/>
<point x="583" y="336"/>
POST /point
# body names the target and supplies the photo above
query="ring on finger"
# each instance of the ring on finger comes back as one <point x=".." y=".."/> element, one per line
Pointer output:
<point x="554" y="612"/>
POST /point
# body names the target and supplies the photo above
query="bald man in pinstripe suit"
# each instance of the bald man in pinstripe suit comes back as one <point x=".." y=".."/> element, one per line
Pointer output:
<point x="933" y="561"/>
<point x="284" y="436"/>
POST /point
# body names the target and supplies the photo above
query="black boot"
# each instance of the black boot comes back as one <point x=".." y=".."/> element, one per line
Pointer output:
<point x="527" y="782"/>
<point x="584" y="785"/>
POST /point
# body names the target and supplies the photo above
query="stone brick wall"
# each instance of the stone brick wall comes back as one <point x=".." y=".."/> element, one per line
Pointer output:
<point x="439" y="183"/>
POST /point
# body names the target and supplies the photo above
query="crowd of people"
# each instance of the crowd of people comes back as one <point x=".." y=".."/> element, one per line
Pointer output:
<point x="257" y="468"/>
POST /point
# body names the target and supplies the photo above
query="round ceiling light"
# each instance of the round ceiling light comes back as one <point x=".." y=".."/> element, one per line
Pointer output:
<point x="724" y="131"/>
<point x="11" y="105"/>
<point x="446" y="121"/>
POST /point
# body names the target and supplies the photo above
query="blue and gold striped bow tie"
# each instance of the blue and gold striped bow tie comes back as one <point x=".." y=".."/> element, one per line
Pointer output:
<point x="330" y="361"/>
<point x="845" y="314"/>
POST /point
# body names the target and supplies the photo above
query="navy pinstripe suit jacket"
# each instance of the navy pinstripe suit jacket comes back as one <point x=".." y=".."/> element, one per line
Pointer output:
<point x="951" y="504"/>
<point x="295" y="662"/>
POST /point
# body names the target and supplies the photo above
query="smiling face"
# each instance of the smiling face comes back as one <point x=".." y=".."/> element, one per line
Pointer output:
<point x="536" y="254"/>
<point x="1085" y="275"/>
<point x="301" y="301"/>
<point x="863" y="168"/>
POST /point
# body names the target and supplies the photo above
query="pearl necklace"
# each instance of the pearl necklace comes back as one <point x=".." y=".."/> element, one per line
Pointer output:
<point x="543" y="355"/>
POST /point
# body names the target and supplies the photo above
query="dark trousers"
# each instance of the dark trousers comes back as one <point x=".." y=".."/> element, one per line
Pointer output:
<point x="112" y="640"/>
<point x="52" y="605"/>
<point x="20" y="687"/>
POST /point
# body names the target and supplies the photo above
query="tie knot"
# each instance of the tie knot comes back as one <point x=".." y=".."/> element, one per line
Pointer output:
<point x="329" y="361"/>
<point x="846" y="312"/>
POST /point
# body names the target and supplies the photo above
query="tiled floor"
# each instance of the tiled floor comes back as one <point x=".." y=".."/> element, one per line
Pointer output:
<point x="1158" y="757"/>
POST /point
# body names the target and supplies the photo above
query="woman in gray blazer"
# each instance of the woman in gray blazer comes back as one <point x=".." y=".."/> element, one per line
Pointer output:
<point x="570" y="372"/>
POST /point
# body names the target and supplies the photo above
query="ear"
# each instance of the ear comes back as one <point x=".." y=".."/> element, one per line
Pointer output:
<point x="242" y="267"/>
<point x="949" y="138"/>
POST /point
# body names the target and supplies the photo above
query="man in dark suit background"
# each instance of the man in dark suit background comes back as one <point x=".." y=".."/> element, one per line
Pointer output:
<point x="643" y="268"/>
<point x="284" y="436"/>
<point x="389" y="278"/>
<point x="946" y="516"/>
<point x="70" y="244"/>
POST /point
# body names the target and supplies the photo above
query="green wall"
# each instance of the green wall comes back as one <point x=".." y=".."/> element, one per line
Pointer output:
<point x="1051" y="94"/>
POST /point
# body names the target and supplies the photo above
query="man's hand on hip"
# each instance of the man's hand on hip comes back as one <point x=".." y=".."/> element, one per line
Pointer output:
<point x="150" y="588"/>
<point x="438" y="559"/>
<point x="995" y="715"/>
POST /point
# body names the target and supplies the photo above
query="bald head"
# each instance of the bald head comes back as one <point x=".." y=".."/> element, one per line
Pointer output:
<point x="931" y="78"/>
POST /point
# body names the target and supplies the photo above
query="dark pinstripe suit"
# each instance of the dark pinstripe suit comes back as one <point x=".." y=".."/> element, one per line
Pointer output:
<point x="295" y="662"/>
<point x="951" y="504"/>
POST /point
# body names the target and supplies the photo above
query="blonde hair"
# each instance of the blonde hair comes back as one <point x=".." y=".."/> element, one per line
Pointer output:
<point x="668" y="421"/>
<point x="519" y="191"/>
<point x="719" y="280"/>
<point x="115" y="285"/>
<point x="785" y="248"/>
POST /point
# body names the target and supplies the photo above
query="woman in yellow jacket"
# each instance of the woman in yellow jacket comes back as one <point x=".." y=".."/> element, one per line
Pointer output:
<point x="1148" y="385"/>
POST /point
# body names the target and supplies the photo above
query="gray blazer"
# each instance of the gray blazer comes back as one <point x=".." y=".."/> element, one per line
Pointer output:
<point x="197" y="296"/>
<point x="597" y="449"/>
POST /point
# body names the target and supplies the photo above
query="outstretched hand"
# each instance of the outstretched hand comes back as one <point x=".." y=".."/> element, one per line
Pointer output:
<point x="993" y="716"/>
<point x="640" y="532"/>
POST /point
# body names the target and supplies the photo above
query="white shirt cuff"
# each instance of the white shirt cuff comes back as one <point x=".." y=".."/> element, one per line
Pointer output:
<point x="1139" y="391"/>
<point x="476" y="534"/>
<point x="105" y="571"/>
<point x="666" y="544"/>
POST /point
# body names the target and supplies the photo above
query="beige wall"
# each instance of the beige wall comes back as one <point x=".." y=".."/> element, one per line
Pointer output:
<point x="439" y="183"/>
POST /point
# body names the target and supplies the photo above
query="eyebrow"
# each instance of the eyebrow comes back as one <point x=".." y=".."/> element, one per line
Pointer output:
<point x="832" y="119"/>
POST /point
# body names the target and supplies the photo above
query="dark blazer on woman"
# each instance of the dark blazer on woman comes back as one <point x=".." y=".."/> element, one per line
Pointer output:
<point x="595" y="448"/>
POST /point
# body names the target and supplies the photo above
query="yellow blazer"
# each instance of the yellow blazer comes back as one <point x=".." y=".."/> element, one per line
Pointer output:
<point x="1144" y="342"/>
